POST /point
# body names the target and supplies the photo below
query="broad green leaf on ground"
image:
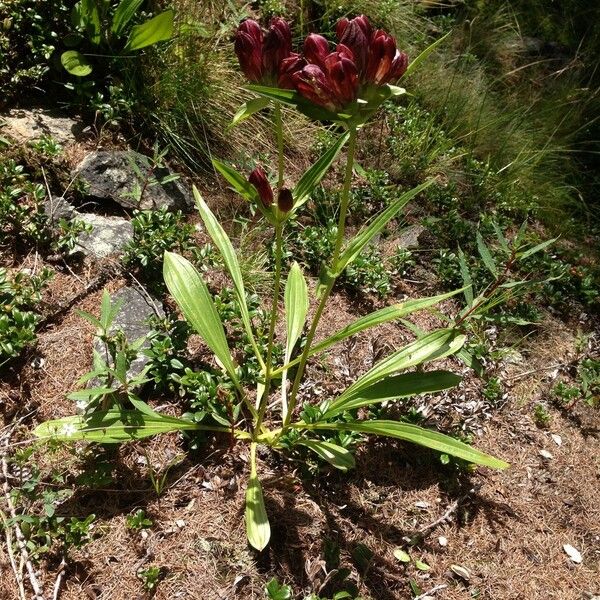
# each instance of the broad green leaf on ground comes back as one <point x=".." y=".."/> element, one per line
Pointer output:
<point x="157" y="29"/>
<point x="417" y="435"/>
<point x="193" y="298"/>
<point x="335" y="455"/>
<point x="75" y="63"/>
<point x="392" y="388"/>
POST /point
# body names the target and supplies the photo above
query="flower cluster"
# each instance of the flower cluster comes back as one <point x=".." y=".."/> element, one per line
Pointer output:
<point x="258" y="179"/>
<point x="363" y="57"/>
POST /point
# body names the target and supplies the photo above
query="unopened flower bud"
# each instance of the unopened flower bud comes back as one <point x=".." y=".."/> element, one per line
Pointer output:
<point x="259" y="180"/>
<point x="285" y="200"/>
<point x="249" y="49"/>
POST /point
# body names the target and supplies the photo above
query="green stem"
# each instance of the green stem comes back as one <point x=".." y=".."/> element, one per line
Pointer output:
<point x="325" y="296"/>
<point x="274" y="306"/>
<point x="279" y="132"/>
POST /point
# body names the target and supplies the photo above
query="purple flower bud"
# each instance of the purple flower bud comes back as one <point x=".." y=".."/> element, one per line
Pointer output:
<point x="316" y="48"/>
<point x="277" y="46"/>
<point x="356" y="35"/>
<point x="285" y="200"/>
<point x="312" y="83"/>
<point x="258" y="179"/>
<point x="248" y="47"/>
<point x="383" y="55"/>
<point x="287" y="68"/>
<point x="343" y="78"/>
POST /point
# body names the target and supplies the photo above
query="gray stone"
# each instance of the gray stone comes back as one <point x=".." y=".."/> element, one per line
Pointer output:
<point x="26" y="125"/>
<point x="132" y="318"/>
<point x="112" y="175"/>
<point x="58" y="208"/>
<point x="409" y="237"/>
<point x="109" y="235"/>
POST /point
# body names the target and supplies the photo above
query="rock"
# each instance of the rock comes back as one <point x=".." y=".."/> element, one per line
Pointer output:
<point x="58" y="208"/>
<point x="109" y="235"/>
<point x="26" y="125"/>
<point x="573" y="553"/>
<point x="137" y="308"/>
<point x="112" y="176"/>
<point x="409" y="237"/>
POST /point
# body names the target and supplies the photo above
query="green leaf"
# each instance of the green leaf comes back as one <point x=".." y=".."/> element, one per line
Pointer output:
<point x="237" y="181"/>
<point x="486" y="255"/>
<point x="384" y="315"/>
<point x="417" y="435"/>
<point x="191" y="294"/>
<point x="422" y="566"/>
<point x="85" y="15"/>
<point x="500" y="236"/>
<point x="296" y="308"/>
<point x="401" y="555"/>
<point x="258" y="529"/>
<point x="356" y="245"/>
<point x="417" y="61"/>
<point x="113" y="426"/>
<point x="466" y="277"/>
<point x="248" y="109"/>
<point x="278" y="592"/>
<point x="432" y="346"/>
<point x="536" y="248"/>
<point x="157" y="29"/>
<point x="124" y="13"/>
<point x="313" y="176"/>
<point x="335" y="455"/>
<point x="394" y="387"/>
<point x="293" y="98"/>
<point x="223" y="243"/>
<point x="75" y="63"/>
<point x="90" y="393"/>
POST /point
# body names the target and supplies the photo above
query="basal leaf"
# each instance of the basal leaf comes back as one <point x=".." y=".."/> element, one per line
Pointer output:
<point x="258" y="529"/>
<point x="157" y="29"/>
<point x="124" y="13"/>
<point x="75" y="63"/>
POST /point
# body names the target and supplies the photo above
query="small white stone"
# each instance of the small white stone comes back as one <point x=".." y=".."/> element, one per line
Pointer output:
<point x="573" y="553"/>
<point x="556" y="439"/>
<point x="180" y="523"/>
<point x="442" y="541"/>
<point x="545" y="454"/>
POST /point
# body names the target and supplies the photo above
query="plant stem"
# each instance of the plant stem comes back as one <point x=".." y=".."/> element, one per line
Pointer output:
<point x="274" y="306"/>
<point x="279" y="132"/>
<point x="325" y="296"/>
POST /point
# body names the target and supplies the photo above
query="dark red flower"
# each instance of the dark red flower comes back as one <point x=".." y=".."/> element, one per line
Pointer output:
<point x="316" y="48"/>
<point x="258" y="179"/>
<point x="248" y="47"/>
<point x="290" y="65"/>
<point x="277" y="45"/>
<point x="386" y="63"/>
<point x="356" y="35"/>
<point x="285" y="200"/>
<point x="261" y="56"/>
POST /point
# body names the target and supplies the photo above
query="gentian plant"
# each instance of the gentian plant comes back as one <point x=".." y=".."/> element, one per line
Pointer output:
<point x="345" y="86"/>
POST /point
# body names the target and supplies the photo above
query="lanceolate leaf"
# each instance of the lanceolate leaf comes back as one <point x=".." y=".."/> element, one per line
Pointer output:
<point x="75" y="63"/>
<point x="113" y="426"/>
<point x="258" y="529"/>
<point x="389" y="313"/>
<point x="194" y="300"/>
<point x="296" y="307"/>
<point x="335" y="455"/>
<point x="237" y="181"/>
<point x="466" y="277"/>
<point x="356" y="245"/>
<point x="124" y="13"/>
<point x="415" y="63"/>
<point x="313" y="176"/>
<point x="535" y="249"/>
<point x="486" y="255"/>
<point x="437" y="344"/>
<point x="248" y="109"/>
<point x="223" y="243"/>
<point x="157" y="29"/>
<point x="397" y="386"/>
<point x="417" y="435"/>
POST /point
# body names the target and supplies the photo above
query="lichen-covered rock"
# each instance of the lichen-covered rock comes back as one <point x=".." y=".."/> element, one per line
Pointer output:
<point x="122" y="176"/>
<point x="109" y="235"/>
<point x="27" y="125"/>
